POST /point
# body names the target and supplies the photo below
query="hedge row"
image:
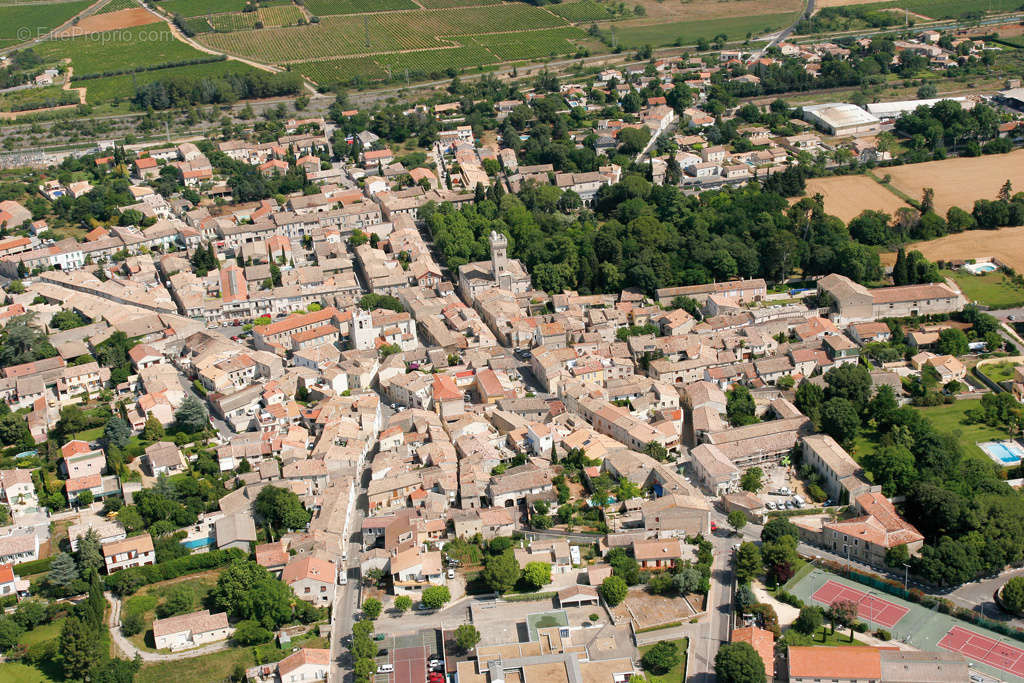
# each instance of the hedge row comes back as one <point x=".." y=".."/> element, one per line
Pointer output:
<point x="152" y="67"/>
<point x="33" y="567"/>
<point x="127" y="581"/>
<point x="527" y="597"/>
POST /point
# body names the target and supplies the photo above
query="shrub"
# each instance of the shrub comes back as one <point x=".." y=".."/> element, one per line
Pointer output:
<point x="132" y="623"/>
<point x="882" y="634"/>
<point x="251" y="633"/>
<point x="860" y="627"/>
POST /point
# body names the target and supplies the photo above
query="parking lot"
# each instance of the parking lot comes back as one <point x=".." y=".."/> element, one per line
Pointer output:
<point x="408" y="655"/>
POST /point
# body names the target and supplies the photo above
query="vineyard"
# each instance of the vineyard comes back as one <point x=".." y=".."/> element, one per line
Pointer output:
<point x="586" y="10"/>
<point x="139" y="46"/>
<point x="440" y="4"/>
<point x="278" y="15"/>
<point x="689" y="32"/>
<point x="38" y="19"/>
<point x="387" y="32"/>
<point x="111" y="88"/>
<point x="117" y="6"/>
<point x="198" y="24"/>
<point x="198" y="8"/>
<point x="509" y="47"/>
<point x="328" y="7"/>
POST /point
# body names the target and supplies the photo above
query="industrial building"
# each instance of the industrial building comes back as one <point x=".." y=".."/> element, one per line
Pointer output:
<point x="839" y="118"/>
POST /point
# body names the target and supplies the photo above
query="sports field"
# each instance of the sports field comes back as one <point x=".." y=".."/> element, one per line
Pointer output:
<point x="874" y="609"/>
<point x="847" y="196"/>
<point x="921" y="628"/>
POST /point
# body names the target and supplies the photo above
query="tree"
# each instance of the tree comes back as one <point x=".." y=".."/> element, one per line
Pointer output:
<point x="116" y="433"/>
<point x="466" y="637"/>
<point x="748" y="562"/>
<point x="435" y="597"/>
<point x="897" y="556"/>
<point x="372" y="608"/>
<point x="952" y="341"/>
<point x="245" y="590"/>
<point x="809" y="398"/>
<point x="90" y="555"/>
<point x="613" y="590"/>
<point x="501" y="571"/>
<point x="690" y="580"/>
<point x="624" y="566"/>
<point x="281" y="508"/>
<point x="843" y="613"/>
<point x="661" y="658"/>
<point x="752" y="480"/>
<point x="154" y="430"/>
<point x="10" y="631"/>
<point x="740" y="406"/>
<point x="810" y="619"/>
<point x="739" y="663"/>
<point x="882" y="406"/>
<point x="737" y="520"/>
<point x="132" y="623"/>
<point x="62" y="571"/>
<point x="1012" y="595"/>
<point x="192" y="415"/>
<point x="839" y="420"/>
<point x="181" y="599"/>
<point x="656" y="451"/>
<point x="403" y="603"/>
<point x="249" y="632"/>
<point x="780" y="558"/>
<point x="79" y="648"/>
<point x="537" y="574"/>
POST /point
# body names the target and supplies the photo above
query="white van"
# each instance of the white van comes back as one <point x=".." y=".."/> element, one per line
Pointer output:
<point x="799" y="501"/>
<point x="385" y="669"/>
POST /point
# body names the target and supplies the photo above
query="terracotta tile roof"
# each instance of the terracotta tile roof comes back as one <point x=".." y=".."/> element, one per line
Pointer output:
<point x="763" y="642"/>
<point x="142" y="544"/>
<point x="309" y="568"/>
<point x="848" y="663"/>
<point x="306" y="655"/>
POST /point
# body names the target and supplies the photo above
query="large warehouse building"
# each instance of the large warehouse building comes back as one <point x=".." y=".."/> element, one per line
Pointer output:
<point x="839" y="118"/>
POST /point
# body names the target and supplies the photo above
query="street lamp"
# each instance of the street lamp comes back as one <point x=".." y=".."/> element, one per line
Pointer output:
<point x="906" y="569"/>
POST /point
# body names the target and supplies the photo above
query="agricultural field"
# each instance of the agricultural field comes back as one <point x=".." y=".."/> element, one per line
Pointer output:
<point x="140" y="46"/>
<point x="534" y="45"/>
<point x="327" y="71"/>
<point x="631" y="34"/>
<point x="105" y="90"/>
<point x="932" y="9"/>
<point x="111" y="21"/>
<point x="37" y="98"/>
<point x="1007" y="244"/>
<point x="19" y="23"/>
<point x="279" y="15"/>
<point x="660" y="11"/>
<point x="847" y="196"/>
<point x="388" y="32"/>
<point x="436" y="61"/>
<point x="585" y="10"/>
<point x="198" y="8"/>
<point x="959" y="181"/>
<point x="438" y="4"/>
<point x="198" y="24"/>
<point x="117" y="6"/>
<point x="328" y="7"/>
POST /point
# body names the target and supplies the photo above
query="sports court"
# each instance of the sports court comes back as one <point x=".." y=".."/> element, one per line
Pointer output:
<point x="918" y="626"/>
<point x="409" y="654"/>
<point x="871" y="608"/>
<point x="984" y="649"/>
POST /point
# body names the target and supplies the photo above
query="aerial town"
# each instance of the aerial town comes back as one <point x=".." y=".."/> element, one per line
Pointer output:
<point x="649" y="370"/>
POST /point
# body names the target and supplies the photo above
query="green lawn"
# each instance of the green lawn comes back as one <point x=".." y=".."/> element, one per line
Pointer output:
<point x="993" y="289"/>
<point x="821" y="637"/>
<point x="949" y="419"/>
<point x="90" y="434"/>
<point x="147" y="599"/>
<point x="21" y="673"/>
<point x="998" y="372"/>
<point x="41" y="633"/>
<point x="675" y="676"/>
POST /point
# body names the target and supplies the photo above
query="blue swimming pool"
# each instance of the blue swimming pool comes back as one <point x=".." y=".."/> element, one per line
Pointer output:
<point x="197" y="543"/>
<point x="1003" y="452"/>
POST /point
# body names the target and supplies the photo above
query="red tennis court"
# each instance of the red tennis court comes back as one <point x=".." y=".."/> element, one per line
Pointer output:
<point x="984" y="649"/>
<point x="410" y="665"/>
<point x="869" y="607"/>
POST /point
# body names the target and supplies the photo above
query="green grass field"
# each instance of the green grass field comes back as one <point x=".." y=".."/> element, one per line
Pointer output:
<point x="37" y="98"/>
<point x="677" y="675"/>
<point x="536" y="44"/>
<point x="198" y="24"/>
<point x="327" y="7"/>
<point x="117" y="6"/>
<point x="99" y="90"/>
<point x="13" y="672"/>
<point x="198" y="8"/>
<point x="19" y="23"/>
<point x="123" y="49"/>
<point x="992" y="289"/>
<point x="998" y="372"/>
<point x="949" y="419"/>
<point x="688" y="32"/>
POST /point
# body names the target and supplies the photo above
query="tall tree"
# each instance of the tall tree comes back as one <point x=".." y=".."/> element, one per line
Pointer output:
<point x="89" y="553"/>
<point x="62" y="570"/>
<point x="192" y="415"/>
<point x="739" y="663"/>
<point x="281" y="508"/>
<point x="116" y="432"/>
<point x="79" y="648"/>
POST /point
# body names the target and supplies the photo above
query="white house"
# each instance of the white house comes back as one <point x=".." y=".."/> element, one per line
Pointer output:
<point x="190" y="630"/>
<point x="135" y="551"/>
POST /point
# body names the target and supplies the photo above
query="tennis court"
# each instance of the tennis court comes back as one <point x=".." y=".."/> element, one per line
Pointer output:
<point x="410" y="664"/>
<point x="984" y="649"/>
<point x="869" y="607"/>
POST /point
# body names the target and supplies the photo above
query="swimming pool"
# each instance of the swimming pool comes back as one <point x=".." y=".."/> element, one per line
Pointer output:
<point x="979" y="268"/>
<point x="198" y="543"/>
<point x="1003" y="452"/>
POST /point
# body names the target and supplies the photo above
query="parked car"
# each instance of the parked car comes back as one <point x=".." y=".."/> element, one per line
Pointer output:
<point x="379" y="636"/>
<point x="714" y="527"/>
<point x="385" y="669"/>
<point x="451" y="573"/>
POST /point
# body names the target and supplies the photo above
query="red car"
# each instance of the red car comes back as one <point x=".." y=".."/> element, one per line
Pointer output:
<point x="714" y="527"/>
